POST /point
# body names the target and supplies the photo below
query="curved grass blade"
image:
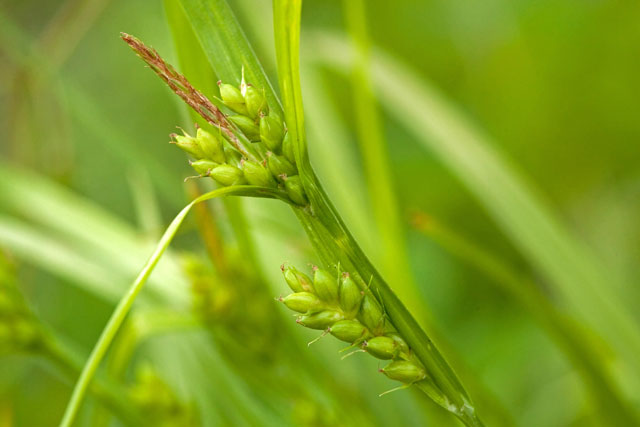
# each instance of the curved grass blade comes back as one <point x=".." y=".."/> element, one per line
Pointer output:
<point x="123" y="307"/>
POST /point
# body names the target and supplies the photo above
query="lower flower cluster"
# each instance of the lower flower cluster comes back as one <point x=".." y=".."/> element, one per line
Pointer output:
<point x="340" y="308"/>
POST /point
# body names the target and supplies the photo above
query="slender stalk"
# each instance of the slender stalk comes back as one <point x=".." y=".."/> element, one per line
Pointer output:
<point x="123" y="307"/>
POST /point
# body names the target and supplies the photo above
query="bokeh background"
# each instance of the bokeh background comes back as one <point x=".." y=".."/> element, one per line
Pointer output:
<point x="88" y="182"/>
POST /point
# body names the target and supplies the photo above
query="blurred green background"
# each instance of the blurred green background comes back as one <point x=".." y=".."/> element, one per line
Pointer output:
<point x="88" y="182"/>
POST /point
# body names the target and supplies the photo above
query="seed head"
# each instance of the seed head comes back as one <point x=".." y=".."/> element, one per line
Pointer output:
<point x="295" y="191"/>
<point x="350" y="296"/>
<point x="247" y="126"/>
<point x="255" y="101"/>
<point x="404" y="371"/>
<point x="302" y="302"/>
<point x="232" y="98"/>
<point x="320" y="320"/>
<point x="279" y="165"/>
<point x="326" y="285"/>
<point x="287" y="148"/>
<point x="189" y="145"/>
<point x="371" y="314"/>
<point x="272" y="132"/>
<point x="381" y="347"/>
<point x="349" y="330"/>
<point x="257" y="174"/>
<point x="227" y="175"/>
<point x="211" y="146"/>
<point x="297" y="280"/>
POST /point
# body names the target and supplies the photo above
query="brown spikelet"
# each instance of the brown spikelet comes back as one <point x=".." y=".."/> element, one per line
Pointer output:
<point x="181" y="86"/>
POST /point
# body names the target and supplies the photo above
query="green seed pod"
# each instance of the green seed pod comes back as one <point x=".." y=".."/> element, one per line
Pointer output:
<point x="233" y="157"/>
<point x="320" y="320"/>
<point x="297" y="280"/>
<point x="232" y="98"/>
<point x="287" y="148"/>
<point x="381" y="347"/>
<point x="371" y="315"/>
<point x="294" y="188"/>
<point x="350" y="296"/>
<point x="272" y="132"/>
<point x="326" y="285"/>
<point x="256" y="174"/>
<point x="247" y="126"/>
<point x="349" y="330"/>
<point x="279" y="165"/>
<point x="401" y="343"/>
<point x="189" y="145"/>
<point x="255" y="102"/>
<point x="211" y="146"/>
<point x="203" y="167"/>
<point x="404" y="371"/>
<point x="302" y="302"/>
<point x="227" y="175"/>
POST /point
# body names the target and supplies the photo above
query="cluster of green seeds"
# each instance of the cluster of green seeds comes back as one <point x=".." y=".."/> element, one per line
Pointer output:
<point x="272" y="163"/>
<point x="339" y="307"/>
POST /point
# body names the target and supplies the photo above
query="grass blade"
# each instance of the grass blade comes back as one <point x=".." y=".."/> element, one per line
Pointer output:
<point x="123" y="307"/>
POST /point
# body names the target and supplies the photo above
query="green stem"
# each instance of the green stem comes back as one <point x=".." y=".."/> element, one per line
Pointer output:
<point x="123" y="307"/>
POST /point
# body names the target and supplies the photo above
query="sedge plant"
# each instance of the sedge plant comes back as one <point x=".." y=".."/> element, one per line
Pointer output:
<point x="255" y="146"/>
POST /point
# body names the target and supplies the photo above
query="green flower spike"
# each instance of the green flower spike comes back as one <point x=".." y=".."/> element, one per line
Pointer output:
<point x="297" y="280"/>
<point x="302" y="302"/>
<point x="325" y="284"/>
<point x="320" y="320"/>
<point x="247" y="126"/>
<point x="211" y="146"/>
<point x="272" y="132"/>
<point x="257" y="174"/>
<point x="350" y="296"/>
<point x="232" y="98"/>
